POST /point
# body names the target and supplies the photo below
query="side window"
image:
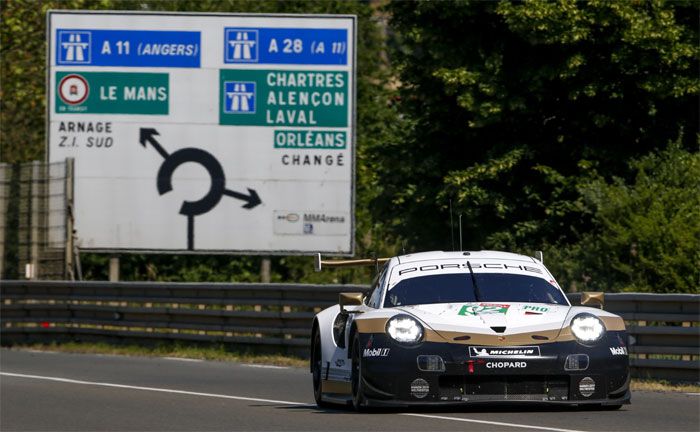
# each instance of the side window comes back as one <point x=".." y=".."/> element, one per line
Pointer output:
<point x="376" y="296"/>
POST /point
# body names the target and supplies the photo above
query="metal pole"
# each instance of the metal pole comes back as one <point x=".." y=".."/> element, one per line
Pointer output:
<point x="34" y="197"/>
<point x="68" y="269"/>
<point x="5" y="175"/>
<point x="460" y="233"/>
<point x="265" y="270"/>
<point x="114" y="269"/>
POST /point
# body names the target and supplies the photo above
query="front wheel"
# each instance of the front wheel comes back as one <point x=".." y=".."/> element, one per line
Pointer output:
<point x="358" y="394"/>
<point x="316" y="370"/>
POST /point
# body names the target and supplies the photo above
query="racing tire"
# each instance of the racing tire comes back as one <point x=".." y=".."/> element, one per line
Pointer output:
<point x="359" y="401"/>
<point x="316" y="371"/>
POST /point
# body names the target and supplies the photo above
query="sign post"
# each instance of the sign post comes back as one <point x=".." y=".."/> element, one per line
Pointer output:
<point x="206" y="133"/>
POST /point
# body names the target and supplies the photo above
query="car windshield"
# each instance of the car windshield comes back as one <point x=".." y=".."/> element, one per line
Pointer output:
<point x="459" y="288"/>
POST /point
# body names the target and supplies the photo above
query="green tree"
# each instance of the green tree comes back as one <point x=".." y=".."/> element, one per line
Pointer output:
<point x="510" y="107"/>
<point x="646" y="235"/>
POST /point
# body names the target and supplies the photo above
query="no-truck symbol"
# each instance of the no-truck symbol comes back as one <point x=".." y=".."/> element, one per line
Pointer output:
<point x="218" y="180"/>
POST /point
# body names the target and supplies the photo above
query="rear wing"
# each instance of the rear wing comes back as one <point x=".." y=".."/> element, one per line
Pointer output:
<point x="320" y="263"/>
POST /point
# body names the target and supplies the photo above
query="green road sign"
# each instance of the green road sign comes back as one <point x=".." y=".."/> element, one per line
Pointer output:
<point x="112" y="93"/>
<point x="283" y="98"/>
<point x="310" y="139"/>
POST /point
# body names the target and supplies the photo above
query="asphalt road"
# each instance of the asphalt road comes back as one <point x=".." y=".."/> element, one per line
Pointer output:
<point x="80" y="392"/>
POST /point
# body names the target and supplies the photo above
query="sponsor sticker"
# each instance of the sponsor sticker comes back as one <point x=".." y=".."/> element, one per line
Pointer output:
<point x="506" y="365"/>
<point x="483" y="308"/>
<point x="535" y="310"/>
<point x="618" y="351"/>
<point x="376" y="352"/>
<point x="420" y="388"/>
<point x="511" y="352"/>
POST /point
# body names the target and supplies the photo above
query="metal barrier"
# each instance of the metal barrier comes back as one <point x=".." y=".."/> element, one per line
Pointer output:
<point x="664" y="328"/>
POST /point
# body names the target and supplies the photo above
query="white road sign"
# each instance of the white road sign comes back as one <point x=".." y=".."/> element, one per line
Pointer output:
<point x="194" y="133"/>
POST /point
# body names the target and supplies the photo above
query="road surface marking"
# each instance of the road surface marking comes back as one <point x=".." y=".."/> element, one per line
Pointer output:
<point x="271" y="401"/>
<point x="491" y="422"/>
<point x="153" y="389"/>
<point x="264" y="366"/>
<point x="183" y="359"/>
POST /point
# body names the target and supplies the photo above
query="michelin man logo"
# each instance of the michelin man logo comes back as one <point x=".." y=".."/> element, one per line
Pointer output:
<point x="241" y="46"/>
<point x="74" y="47"/>
<point x="239" y="97"/>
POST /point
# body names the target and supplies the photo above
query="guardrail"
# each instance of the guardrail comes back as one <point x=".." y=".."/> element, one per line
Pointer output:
<point x="664" y="328"/>
<point x="664" y="333"/>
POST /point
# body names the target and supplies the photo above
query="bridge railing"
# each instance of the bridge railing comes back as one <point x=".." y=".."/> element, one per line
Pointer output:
<point x="664" y="329"/>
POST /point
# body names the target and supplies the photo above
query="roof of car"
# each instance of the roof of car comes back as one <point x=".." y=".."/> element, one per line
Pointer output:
<point x="484" y="254"/>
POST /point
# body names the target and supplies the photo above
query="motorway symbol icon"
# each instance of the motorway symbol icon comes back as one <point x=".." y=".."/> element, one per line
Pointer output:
<point x="241" y="46"/>
<point x="74" y="47"/>
<point x="218" y="180"/>
<point x="239" y="97"/>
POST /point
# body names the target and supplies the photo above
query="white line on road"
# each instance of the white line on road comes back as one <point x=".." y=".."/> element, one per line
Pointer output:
<point x="264" y="366"/>
<point x="693" y="394"/>
<point x="153" y="389"/>
<point x="183" y="359"/>
<point x="271" y="401"/>
<point x="491" y="422"/>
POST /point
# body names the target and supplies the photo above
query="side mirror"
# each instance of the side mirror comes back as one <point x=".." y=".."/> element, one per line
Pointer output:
<point x="593" y="298"/>
<point x="349" y="299"/>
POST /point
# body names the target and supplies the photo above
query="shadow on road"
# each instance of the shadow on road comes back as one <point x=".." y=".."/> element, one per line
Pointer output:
<point x="510" y="408"/>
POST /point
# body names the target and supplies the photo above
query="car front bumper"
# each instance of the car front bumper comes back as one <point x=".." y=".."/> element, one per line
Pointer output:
<point x="391" y="376"/>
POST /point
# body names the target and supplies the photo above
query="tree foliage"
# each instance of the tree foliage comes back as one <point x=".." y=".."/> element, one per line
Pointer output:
<point x="511" y="105"/>
<point x="646" y="232"/>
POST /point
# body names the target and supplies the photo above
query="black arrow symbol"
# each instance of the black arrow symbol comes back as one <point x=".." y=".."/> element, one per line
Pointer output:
<point x="218" y="181"/>
<point x="252" y="199"/>
<point x="146" y="136"/>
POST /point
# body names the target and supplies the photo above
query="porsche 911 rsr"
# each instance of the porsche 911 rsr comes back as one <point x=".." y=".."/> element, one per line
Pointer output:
<point x="463" y="328"/>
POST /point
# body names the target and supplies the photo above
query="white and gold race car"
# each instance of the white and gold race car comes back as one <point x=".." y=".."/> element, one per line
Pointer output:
<point x="466" y="327"/>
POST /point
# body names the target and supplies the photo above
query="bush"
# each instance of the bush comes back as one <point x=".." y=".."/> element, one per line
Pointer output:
<point x="646" y="235"/>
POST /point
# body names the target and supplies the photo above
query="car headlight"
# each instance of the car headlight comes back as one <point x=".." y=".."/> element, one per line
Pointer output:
<point x="587" y="328"/>
<point x="405" y="329"/>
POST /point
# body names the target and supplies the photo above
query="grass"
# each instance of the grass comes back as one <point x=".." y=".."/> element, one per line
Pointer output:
<point x="223" y="353"/>
<point x="216" y="353"/>
<point x="662" y="385"/>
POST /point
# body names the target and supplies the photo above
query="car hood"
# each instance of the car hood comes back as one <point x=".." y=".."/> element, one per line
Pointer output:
<point x="490" y="318"/>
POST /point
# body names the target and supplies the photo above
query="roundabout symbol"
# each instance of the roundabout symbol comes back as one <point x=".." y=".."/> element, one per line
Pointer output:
<point x="218" y="180"/>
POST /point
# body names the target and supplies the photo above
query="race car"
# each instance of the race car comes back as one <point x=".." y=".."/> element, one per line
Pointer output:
<point x="463" y="328"/>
